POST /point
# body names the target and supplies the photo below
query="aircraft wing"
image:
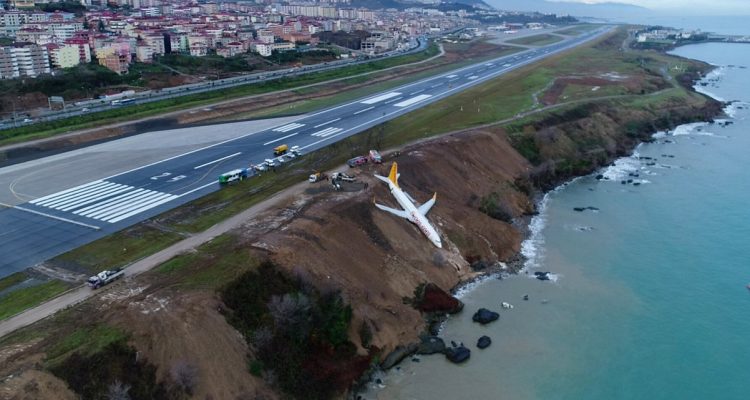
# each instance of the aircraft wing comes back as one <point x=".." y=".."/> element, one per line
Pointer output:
<point x="400" y="213"/>
<point x="425" y="208"/>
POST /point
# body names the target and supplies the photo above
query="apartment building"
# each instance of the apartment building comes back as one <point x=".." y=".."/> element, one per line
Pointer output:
<point x="23" y="61"/>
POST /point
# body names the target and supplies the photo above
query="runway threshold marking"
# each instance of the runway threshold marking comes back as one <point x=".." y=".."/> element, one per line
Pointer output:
<point x="287" y="128"/>
<point x="392" y="100"/>
<point x="218" y="160"/>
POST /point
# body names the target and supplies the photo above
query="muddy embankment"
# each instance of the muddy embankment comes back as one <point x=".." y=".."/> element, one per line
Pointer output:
<point x="486" y="181"/>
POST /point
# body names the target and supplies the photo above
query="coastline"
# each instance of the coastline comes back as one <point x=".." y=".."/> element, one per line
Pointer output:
<point x="529" y="256"/>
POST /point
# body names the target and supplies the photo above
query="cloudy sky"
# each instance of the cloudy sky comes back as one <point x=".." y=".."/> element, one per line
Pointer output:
<point x="741" y="7"/>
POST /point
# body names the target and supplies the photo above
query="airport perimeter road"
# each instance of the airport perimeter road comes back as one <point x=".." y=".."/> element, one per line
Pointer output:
<point x="57" y="222"/>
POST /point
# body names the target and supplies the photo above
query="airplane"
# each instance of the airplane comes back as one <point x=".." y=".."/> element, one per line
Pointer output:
<point x="416" y="215"/>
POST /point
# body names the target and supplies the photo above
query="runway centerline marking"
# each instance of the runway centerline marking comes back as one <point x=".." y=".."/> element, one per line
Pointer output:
<point x="326" y="123"/>
<point x="366" y="109"/>
<point x="218" y="160"/>
<point x="281" y="138"/>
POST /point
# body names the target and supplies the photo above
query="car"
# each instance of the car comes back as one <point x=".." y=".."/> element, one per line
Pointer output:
<point x="269" y="162"/>
<point x="27" y="120"/>
<point x="260" y="167"/>
<point x="357" y="161"/>
<point x="84" y="109"/>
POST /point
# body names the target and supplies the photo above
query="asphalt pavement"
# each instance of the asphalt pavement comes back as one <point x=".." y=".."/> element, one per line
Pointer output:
<point x="62" y="220"/>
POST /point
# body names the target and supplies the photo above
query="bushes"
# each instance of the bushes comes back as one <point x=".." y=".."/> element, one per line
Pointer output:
<point x="493" y="206"/>
<point x="115" y="370"/>
<point x="300" y="336"/>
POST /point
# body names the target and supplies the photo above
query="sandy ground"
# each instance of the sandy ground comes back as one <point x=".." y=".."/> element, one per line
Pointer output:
<point x="22" y="182"/>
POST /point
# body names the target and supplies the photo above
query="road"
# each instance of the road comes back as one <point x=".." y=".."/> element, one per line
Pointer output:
<point x="89" y="106"/>
<point x="56" y="222"/>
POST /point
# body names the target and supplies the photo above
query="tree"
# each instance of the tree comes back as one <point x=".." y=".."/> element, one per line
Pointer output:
<point x="118" y="391"/>
<point x="185" y="376"/>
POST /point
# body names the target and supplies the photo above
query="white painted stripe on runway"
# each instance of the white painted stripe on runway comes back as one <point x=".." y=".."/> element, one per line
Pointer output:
<point x="326" y="132"/>
<point x="108" y="194"/>
<point x="64" y="192"/>
<point x="451" y="76"/>
<point x="103" y="191"/>
<point x="413" y="100"/>
<point x="471" y="78"/>
<point x="335" y="130"/>
<point x="281" y="138"/>
<point x="142" y="209"/>
<point x="381" y="98"/>
<point x="392" y="100"/>
<point x="417" y="92"/>
<point x="326" y="123"/>
<point x="86" y="211"/>
<point x="55" y="217"/>
<point x="218" y="160"/>
<point x="287" y="128"/>
<point x="366" y="109"/>
<point x="434" y="86"/>
<point x="127" y="205"/>
<point x="197" y="189"/>
<point x="91" y="190"/>
<point x="143" y="204"/>
<point x="122" y="202"/>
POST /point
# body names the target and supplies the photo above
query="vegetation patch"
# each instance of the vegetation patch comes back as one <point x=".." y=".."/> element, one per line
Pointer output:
<point x="21" y="299"/>
<point x="298" y="333"/>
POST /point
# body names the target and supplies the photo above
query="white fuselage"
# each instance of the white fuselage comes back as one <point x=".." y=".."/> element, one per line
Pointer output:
<point x="415" y="216"/>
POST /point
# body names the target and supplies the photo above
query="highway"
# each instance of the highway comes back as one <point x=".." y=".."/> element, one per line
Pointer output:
<point x="148" y="96"/>
<point x="57" y="222"/>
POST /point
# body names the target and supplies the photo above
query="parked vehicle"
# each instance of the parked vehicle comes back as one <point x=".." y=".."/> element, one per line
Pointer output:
<point x="317" y="177"/>
<point x="105" y="277"/>
<point x="280" y="150"/>
<point x="235" y="175"/>
<point x="357" y="161"/>
<point x="375" y="156"/>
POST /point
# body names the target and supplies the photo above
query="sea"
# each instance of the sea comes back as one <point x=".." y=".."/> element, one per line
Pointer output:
<point x="649" y="293"/>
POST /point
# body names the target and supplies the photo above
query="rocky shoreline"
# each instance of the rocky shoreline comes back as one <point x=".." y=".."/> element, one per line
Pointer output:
<point x="429" y="341"/>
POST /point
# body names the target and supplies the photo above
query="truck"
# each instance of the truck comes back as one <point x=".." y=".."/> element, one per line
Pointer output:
<point x="122" y="102"/>
<point x="357" y="161"/>
<point x="317" y="177"/>
<point x="280" y="150"/>
<point x="105" y="277"/>
<point x="234" y="175"/>
<point x="375" y="157"/>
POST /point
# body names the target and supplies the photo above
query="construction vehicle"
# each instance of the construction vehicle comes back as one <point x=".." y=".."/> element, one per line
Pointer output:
<point x="357" y="161"/>
<point x="234" y="175"/>
<point x="105" y="277"/>
<point x="280" y="150"/>
<point x="340" y="176"/>
<point x="317" y="177"/>
<point x="375" y="157"/>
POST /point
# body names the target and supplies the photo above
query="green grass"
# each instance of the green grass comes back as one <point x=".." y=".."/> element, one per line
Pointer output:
<point x="48" y="129"/>
<point x="12" y="280"/>
<point x="25" y="298"/>
<point x="536" y="40"/>
<point x="119" y="249"/>
<point x="88" y="340"/>
<point x="213" y="265"/>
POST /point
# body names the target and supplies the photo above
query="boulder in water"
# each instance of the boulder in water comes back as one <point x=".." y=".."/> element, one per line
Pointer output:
<point x="457" y="355"/>
<point x="485" y="316"/>
<point x="431" y="345"/>
<point x="484" y="342"/>
<point x="398" y="354"/>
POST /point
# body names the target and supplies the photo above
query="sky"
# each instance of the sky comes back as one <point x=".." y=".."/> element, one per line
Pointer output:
<point x="730" y="7"/>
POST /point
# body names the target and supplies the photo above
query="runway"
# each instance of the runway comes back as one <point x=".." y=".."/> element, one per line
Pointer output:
<point x="37" y="226"/>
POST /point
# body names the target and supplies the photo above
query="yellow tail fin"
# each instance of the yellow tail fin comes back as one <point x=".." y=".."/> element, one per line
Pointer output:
<point x="393" y="176"/>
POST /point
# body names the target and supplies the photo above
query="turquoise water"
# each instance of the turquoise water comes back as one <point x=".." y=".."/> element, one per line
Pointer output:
<point x="649" y="298"/>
